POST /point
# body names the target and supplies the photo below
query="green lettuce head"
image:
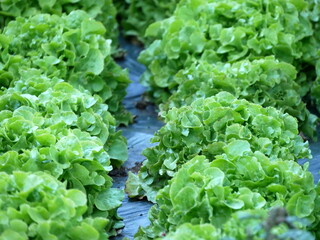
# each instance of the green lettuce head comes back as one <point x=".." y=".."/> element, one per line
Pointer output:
<point x="264" y="81"/>
<point x="101" y="10"/>
<point x="71" y="47"/>
<point x="211" y="192"/>
<point x="47" y="125"/>
<point x="249" y="224"/>
<point x="213" y="126"/>
<point x="60" y="103"/>
<point x="37" y="206"/>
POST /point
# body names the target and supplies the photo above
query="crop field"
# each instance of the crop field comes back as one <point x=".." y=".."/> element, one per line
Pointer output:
<point x="160" y="119"/>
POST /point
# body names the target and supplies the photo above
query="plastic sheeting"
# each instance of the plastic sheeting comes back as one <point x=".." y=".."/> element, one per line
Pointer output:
<point x="135" y="212"/>
<point x="138" y="134"/>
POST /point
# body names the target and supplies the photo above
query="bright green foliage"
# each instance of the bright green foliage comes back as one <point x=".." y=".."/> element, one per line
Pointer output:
<point x="60" y="103"/>
<point x="211" y="127"/>
<point x="47" y="125"/>
<point x="266" y="81"/>
<point x="138" y="15"/>
<point x="71" y="47"/>
<point x="210" y="192"/>
<point x="37" y="206"/>
<point x="228" y="31"/>
<point x="193" y="232"/>
<point x="101" y="10"/>
<point x="244" y="225"/>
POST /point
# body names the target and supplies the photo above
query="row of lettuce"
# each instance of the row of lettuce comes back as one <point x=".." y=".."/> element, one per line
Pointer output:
<point x="232" y="78"/>
<point x="60" y="105"/>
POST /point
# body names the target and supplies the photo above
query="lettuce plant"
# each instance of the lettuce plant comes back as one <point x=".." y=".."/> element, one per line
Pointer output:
<point x="249" y="224"/>
<point x="138" y="15"/>
<point x="228" y="31"/>
<point x="70" y="47"/>
<point x="264" y="81"/>
<point x="210" y="192"/>
<point x="60" y="103"/>
<point x="211" y="127"/>
<point x="47" y="125"/>
<point x="101" y="10"/>
<point x="37" y="206"/>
